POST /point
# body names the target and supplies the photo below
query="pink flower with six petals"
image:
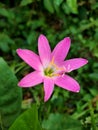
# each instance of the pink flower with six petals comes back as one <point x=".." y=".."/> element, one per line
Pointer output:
<point x="50" y="67"/>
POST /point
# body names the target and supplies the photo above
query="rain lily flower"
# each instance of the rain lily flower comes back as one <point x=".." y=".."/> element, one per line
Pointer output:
<point x="50" y="67"/>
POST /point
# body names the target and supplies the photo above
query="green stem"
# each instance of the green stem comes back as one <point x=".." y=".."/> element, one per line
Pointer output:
<point x="20" y="66"/>
<point x="92" y="116"/>
<point x="36" y="99"/>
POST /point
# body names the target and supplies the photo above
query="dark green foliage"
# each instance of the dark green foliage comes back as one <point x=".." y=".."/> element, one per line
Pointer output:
<point x="22" y="21"/>
<point x="61" y="122"/>
<point x="10" y="96"/>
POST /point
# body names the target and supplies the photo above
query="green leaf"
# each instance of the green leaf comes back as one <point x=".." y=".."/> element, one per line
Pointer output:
<point x="5" y="40"/>
<point x="28" y="120"/>
<point x="49" y="5"/>
<point x="73" y="6"/>
<point x="61" y="122"/>
<point x="7" y="13"/>
<point x="56" y="4"/>
<point x="95" y="52"/>
<point x="94" y="76"/>
<point x="10" y="96"/>
<point x="26" y="2"/>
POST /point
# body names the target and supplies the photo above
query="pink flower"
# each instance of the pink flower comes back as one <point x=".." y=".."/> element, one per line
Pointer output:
<point x="50" y="67"/>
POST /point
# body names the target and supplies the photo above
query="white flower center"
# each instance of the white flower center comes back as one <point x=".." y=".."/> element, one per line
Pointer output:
<point x="52" y="70"/>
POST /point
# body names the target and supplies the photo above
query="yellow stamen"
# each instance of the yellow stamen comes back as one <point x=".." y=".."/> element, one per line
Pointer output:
<point x="51" y="63"/>
<point x="52" y="68"/>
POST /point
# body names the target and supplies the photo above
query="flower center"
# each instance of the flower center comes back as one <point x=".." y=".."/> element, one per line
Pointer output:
<point x="48" y="72"/>
<point x="53" y="70"/>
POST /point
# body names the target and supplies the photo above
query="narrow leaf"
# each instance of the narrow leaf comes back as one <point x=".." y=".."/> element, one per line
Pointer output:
<point x="49" y="5"/>
<point x="73" y="6"/>
<point x="25" y="2"/>
<point x="57" y="4"/>
<point x="7" y="13"/>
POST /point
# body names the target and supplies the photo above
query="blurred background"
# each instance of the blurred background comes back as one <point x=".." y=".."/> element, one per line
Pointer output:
<point x="22" y="21"/>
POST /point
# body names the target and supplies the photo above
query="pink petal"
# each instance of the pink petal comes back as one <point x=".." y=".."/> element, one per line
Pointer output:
<point x="48" y="87"/>
<point x="44" y="49"/>
<point x="31" y="79"/>
<point x="61" y="50"/>
<point x="74" y="64"/>
<point x="30" y="58"/>
<point x="66" y="82"/>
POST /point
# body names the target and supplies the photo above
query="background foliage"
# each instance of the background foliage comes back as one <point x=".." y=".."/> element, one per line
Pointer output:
<point x="22" y="21"/>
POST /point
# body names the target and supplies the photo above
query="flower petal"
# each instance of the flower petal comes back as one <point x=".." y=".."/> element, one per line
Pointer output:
<point x="66" y="82"/>
<point x="74" y="64"/>
<point x="60" y="51"/>
<point x="30" y="58"/>
<point x="31" y="79"/>
<point x="48" y="87"/>
<point x="44" y="49"/>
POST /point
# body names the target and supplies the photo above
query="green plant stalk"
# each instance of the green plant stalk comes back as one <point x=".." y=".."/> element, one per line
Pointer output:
<point x="20" y="66"/>
<point x="78" y="115"/>
<point x="36" y="99"/>
<point x="92" y="116"/>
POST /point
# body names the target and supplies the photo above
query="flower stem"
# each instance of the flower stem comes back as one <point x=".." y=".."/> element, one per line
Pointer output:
<point x="92" y="116"/>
